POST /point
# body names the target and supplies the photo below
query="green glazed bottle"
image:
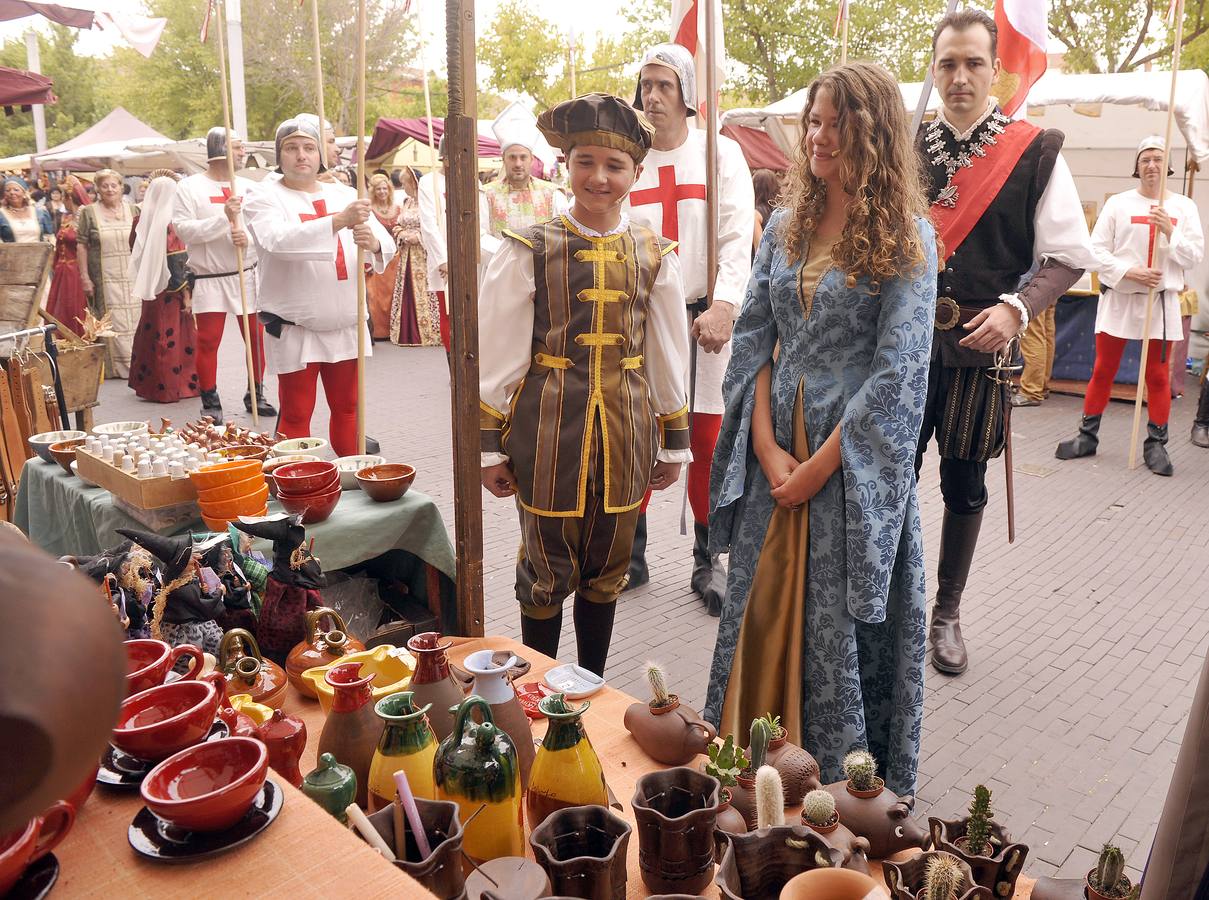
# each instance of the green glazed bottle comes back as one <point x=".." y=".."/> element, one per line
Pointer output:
<point x="407" y="743"/>
<point x="566" y="771"/>
<point x="476" y="768"/>
<point x="331" y="785"/>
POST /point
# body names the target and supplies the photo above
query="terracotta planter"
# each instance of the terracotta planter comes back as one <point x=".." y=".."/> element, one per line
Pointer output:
<point x="319" y="648"/>
<point x="743" y="798"/>
<point x="906" y="879"/>
<point x="351" y="730"/>
<point x="676" y="811"/>
<point x="729" y="821"/>
<point x="884" y="819"/>
<point x="996" y="873"/>
<point x="672" y="734"/>
<point x="855" y="849"/>
<point x="799" y="770"/>
<point x="834" y="884"/>
<point x="583" y="850"/>
<point x="441" y="870"/>
<point x="491" y="682"/>
<point x="757" y="865"/>
<point x="1092" y="893"/>
<point x="433" y="682"/>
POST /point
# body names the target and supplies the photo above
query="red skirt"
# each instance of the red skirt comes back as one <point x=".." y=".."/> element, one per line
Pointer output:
<point x="163" y="367"/>
<point x="65" y="300"/>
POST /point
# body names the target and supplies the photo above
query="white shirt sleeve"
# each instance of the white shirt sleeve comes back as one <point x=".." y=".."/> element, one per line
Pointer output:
<point x="505" y="329"/>
<point x="275" y="231"/>
<point x="665" y="350"/>
<point x="1060" y="228"/>
<point x="192" y="228"/>
<point x="432" y="232"/>
<point x="1187" y="246"/>
<point x="1110" y="267"/>
<point x="736" y="224"/>
<point x="386" y="248"/>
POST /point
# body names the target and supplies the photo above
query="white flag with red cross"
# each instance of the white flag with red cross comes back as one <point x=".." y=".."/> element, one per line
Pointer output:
<point x="688" y="30"/>
<point x="1023" y="34"/>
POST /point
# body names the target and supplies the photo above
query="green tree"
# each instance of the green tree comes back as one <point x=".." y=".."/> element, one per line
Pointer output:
<point x="1123" y="35"/>
<point x="524" y="53"/>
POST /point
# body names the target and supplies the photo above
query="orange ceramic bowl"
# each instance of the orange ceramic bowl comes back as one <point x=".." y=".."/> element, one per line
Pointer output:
<point x="245" y="451"/>
<point x="64" y="453"/>
<point x="219" y="525"/>
<point x="386" y="483"/>
<point x="218" y="474"/>
<point x="246" y="505"/>
<point x="231" y="491"/>
<point x="208" y="787"/>
<point x="314" y="508"/>
<point x="301" y="479"/>
<point x="157" y="722"/>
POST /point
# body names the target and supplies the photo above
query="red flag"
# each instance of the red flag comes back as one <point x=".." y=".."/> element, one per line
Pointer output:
<point x="1023" y="33"/>
<point x="205" y="29"/>
<point x="688" y="30"/>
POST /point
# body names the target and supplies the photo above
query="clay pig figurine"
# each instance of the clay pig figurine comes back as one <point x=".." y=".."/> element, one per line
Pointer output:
<point x="873" y="811"/>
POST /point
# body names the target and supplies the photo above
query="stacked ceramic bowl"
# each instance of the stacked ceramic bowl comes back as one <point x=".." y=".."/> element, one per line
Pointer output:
<point x="40" y="443"/>
<point x="311" y="489"/>
<point x="230" y="489"/>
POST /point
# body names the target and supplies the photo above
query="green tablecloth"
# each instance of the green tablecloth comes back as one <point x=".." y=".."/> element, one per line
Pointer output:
<point x="64" y="517"/>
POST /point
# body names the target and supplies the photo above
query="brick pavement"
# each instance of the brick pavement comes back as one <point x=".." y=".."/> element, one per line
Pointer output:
<point x="1086" y="635"/>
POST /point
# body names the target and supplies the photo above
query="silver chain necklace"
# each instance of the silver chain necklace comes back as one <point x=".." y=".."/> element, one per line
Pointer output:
<point x="939" y="153"/>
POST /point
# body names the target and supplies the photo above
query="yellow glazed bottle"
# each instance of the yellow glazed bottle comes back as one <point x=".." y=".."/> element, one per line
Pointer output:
<point x="476" y="767"/>
<point x="407" y="743"/>
<point x="566" y="771"/>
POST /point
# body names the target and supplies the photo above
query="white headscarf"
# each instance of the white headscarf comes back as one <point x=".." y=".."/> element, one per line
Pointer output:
<point x="149" y="258"/>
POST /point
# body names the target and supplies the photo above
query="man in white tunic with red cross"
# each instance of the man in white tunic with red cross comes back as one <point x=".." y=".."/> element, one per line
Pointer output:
<point x="670" y="199"/>
<point x="206" y="219"/>
<point x="307" y="233"/>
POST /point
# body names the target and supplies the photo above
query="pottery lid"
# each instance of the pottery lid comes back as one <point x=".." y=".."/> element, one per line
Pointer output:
<point x="329" y="773"/>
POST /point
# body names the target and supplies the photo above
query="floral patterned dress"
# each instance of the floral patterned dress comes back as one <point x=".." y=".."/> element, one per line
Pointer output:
<point x="854" y="357"/>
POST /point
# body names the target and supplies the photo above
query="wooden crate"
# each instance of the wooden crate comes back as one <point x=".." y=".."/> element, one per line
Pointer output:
<point x="24" y="271"/>
<point x="144" y="493"/>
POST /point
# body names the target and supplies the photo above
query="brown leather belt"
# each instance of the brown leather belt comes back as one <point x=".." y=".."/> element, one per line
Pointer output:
<point x="950" y="314"/>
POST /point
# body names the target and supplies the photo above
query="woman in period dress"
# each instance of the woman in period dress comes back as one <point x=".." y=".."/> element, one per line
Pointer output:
<point x="409" y="312"/>
<point x="21" y="220"/>
<point x="162" y="365"/>
<point x="813" y="485"/>
<point x="103" y="248"/>
<point x="65" y="300"/>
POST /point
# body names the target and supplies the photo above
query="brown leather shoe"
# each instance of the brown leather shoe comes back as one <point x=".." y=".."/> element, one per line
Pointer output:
<point x="958" y="538"/>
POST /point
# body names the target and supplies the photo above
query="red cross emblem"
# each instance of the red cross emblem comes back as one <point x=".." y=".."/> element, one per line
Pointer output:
<point x="321" y="213"/>
<point x="1154" y="231"/>
<point x="668" y="194"/>
<point x="224" y="197"/>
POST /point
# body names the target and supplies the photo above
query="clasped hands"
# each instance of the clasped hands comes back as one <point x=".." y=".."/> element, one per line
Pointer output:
<point x="793" y="483"/>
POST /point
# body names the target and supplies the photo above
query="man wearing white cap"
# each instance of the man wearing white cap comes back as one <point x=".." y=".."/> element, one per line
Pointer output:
<point x="206" y="219"/>
<point x="669" y="198"/>
<point x="1142" y="242"/>
<point x="516" y="199"/>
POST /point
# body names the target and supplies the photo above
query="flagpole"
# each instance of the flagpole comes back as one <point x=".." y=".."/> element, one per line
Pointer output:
<point x="319" y="83"/>
<point x="361" y="313"/>
<point x="711" y="151"/>
<point x="844" y="39"/>
<point x="1140" y="392"/>
<point x="925" y="91"/>
<point x="243" y="291"/>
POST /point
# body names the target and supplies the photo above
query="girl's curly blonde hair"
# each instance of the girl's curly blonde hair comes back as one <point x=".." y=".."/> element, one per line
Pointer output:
<point x="879" y="168"/>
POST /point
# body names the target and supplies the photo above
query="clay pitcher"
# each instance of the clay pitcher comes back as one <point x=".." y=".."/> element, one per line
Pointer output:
<point x="676" y="811"/>
<point x="407" y="743"/>
<point x="248" y="672"/>
<point x="433" y="682"/>
<point x="319" y="648"/>
<point x="583" y="850"/>
<point x="285" y="737"/>
<point x="671" y="734"/>
<point x="352" y="728"/>
<point x="441" y="870"/>
<point x="492" y="684"/>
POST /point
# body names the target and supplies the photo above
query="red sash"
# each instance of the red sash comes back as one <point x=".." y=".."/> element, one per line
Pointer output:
<point x="979" y="184"/>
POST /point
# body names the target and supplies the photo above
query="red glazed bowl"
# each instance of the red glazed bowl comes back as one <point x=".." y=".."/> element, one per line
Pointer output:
<point x="148" y="663"/>
<point x="158" y="722"/>
<point x="64" y="453"/>
<point x="386" y="483"/>
<point x="299" y="479"/>
<point x="314" y="508"/>
<point x="208" y="787"/>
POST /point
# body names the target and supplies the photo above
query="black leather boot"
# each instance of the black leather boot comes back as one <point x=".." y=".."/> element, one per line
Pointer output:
<point x="212" y="405"/>
<point x="639" y="574"/>
<point x="263" y="407"/>
<point x="709" y="575"/>
<point x="958" y="538"/>
<point x="593" y="633"/>
<point x="1154" y="450"/>
<point x="1084" y="443"/>
<point x="1200" y="425"/>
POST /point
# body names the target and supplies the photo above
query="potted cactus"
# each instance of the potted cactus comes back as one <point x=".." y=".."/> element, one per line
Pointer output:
<point x="819" y="813"/>
<point x="982" y="844"/>
<point x="667" y="730"/>
<point x="725" y="763"/>
<point x="799" y="770"/>
<point x="661" y="701"/>
<point x="743" y="794"/>
<point x="1108" y="881"/>
<point x="860" y="771"/>
<point x="933" y="874"/>
<point x="872" y="811"/>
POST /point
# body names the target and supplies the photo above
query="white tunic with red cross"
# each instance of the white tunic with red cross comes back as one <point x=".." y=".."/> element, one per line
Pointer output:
<point x="670" y="198"/>
<point x="1122" y="239"/>
<point x="307" y="275"/>
<point x="201" y="223"/>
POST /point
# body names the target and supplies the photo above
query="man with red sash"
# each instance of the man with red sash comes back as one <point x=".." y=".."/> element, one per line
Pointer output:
<point x="1005" y="205"/>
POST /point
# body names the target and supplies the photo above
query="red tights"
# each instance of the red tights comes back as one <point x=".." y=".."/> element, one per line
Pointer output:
<point x="1158" y="376"/>
<point x="296" y="394"/>
<point x="209" y="335"/>
<point x="704" y="436"/>
<point x="446" y="334"/>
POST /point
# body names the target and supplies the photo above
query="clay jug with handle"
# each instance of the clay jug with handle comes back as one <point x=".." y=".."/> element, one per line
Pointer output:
<point x="352" y="728"/>
<point x="672" y="734"/>
<point x="319" y="647"/>
<point x="433" y="682"/>
<point x="248" y="672"/>
<point x="566" y="771"/>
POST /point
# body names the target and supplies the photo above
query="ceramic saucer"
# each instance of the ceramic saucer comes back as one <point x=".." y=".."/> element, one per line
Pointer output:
<point x="36" y="881"/>
<point x="152" y="837"/>
<point x="574" y="682"/>
<point x="120" y="770"/>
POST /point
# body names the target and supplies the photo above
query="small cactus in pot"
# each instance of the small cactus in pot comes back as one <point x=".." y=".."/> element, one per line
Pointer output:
<point x="726" y="762"/>
<point x="661" y="700"/>
<point x="1108" y="881"/>
<point x="819" y="813"/>
<point x="943" y="879"/>
<point x="860" y="768"/>
<point x="978" y="826"/>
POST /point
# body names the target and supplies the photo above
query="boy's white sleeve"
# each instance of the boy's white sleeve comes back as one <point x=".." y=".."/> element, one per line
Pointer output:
<point x="665" y="356"/>
<point x="505" y="339"/>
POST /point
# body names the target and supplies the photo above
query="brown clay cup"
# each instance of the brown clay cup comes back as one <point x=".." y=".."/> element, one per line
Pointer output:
<point x="676" y="810"/>
<point x="583" y="850"/>
<point x="64" y="453"/>
<point x="32" y="841"/>
<point x="148" y="663"/>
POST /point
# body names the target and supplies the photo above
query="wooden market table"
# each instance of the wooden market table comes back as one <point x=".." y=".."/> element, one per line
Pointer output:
<point x="306" y="853"/>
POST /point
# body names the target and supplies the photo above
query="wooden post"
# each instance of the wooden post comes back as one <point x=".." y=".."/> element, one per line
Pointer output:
<point x="318" y="40"/>
<point x="243" y="291"/>
<point x="461" y="149"/>
<point x="1140" y="393"/>
<point x="361" y="192"/>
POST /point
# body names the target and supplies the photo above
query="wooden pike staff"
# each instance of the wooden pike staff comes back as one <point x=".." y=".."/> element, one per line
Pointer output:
<point x="361" y="193"/>
<point x="316" y="37"/>
<point x="243" y="291"/>
<point x="461" y="152"/>
<point x="1141" y="389"/>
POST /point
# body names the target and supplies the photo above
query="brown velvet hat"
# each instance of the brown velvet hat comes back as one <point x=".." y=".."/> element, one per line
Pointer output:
<point x="598" y="120"/>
